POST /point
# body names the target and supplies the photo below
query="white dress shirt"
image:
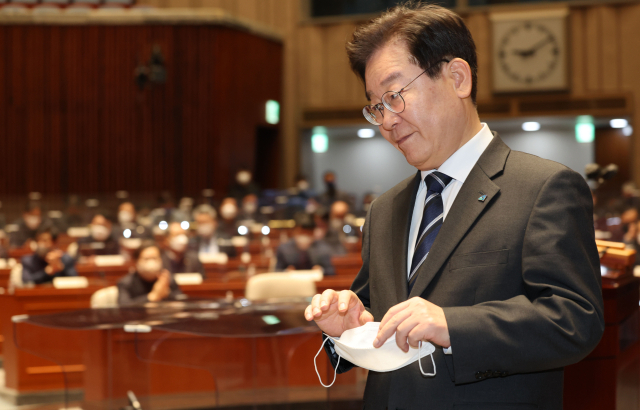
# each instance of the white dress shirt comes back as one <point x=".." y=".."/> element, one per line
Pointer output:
<point x="457" y="166"/>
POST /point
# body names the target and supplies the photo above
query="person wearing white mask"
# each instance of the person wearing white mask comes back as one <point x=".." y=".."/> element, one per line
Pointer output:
<point x="229" y="214"/>
<point x="151" y="282"/>
<point x="178" y="256"/>
<point x="27" y="226"/>
<point x="208" y="239"/>
<point x="128" y="227"/>
<point x="101" y="240"/>
<point x="304" y="252"/>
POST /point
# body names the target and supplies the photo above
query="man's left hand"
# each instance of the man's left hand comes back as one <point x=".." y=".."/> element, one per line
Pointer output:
<point x="413" y="321"/>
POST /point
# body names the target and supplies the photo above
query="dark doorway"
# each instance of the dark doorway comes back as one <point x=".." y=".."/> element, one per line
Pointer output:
<point x="267" y="163"/>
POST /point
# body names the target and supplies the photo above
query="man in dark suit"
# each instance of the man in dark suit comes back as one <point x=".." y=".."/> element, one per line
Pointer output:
<point x="303" y="251"/>
<point x="47" y="262"/>
<point x="177" y="256"/>
<point x="209" y="239"/>
<point x="487" y="253"/>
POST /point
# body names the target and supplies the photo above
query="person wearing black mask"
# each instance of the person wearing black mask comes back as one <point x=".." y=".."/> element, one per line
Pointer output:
<point x="332" y="194"/>
<point x="47" y="262"/>
<point x="177" y="256"/>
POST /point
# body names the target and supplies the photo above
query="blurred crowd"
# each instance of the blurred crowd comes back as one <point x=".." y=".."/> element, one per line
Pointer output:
<point x="171" y="237"/>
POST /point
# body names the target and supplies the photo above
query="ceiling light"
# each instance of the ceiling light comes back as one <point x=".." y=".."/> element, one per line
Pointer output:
<point x="618" y="123"/>
<point x="366" y="133"/>
<point x="531" y="126"/>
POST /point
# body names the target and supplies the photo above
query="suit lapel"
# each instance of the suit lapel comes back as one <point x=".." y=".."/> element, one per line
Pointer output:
<point x="466" y="208"/>
<point x="403" y="205"/>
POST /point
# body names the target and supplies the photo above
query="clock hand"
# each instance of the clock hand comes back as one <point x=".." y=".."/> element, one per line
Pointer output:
<point x="530" y="52"/>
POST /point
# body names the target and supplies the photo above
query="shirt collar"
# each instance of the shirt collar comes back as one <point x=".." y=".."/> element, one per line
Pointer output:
<point x="459" y="165"/>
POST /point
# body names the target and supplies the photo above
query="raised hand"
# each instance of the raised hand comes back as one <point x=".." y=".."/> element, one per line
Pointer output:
<point x="335" y="312"/>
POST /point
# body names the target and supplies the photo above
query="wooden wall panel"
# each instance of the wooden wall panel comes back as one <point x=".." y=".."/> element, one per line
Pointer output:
<point x="73" y="120"/>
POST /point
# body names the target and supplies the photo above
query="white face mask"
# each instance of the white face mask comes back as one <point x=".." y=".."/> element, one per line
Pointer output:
<point x="228" y="211"/>
<point x="243" y="177"/>
<point x="356" y="346"/>
<point x="303" y="242"/>
<point x="303" y="185"/>
<point x="100" y="232"/>
<point x="205" y="230"/>
<point x="149" y="266"/>
<point x="32" y="221"/>
<point x="249" y="207"/>
<point x="125" y="217"/>
<point x="179" y="243"/>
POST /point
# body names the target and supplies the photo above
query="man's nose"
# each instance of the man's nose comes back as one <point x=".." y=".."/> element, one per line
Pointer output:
<point x="390" y="120"/>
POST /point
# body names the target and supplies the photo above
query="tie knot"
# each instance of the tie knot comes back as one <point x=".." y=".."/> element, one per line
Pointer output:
<point x="437" y="181"/>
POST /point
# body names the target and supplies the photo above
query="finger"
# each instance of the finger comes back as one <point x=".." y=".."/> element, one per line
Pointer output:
<point x="417" y="334"/>
<point x="327" y="299"/>
<point x="365" y="317"/>
<point x="308" y="313"/>
<point x="346" y="300"/>
<point x="393" y="311"/>
<point x="404" y="330"/>
<point x="390" y="327"/>
<point x="315" y="305"/>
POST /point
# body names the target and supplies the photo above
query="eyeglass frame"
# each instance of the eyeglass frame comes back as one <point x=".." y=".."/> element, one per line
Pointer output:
<point x="404" y="104"/>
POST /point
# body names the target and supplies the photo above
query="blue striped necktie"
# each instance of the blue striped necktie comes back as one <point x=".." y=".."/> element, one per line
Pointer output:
<point x="432" y="217"/>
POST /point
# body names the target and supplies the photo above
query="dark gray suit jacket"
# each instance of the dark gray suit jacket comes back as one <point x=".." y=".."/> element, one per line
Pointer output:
<point x="518" y="277"/>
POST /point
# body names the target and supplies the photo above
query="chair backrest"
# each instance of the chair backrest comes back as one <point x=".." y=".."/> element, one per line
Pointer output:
<point x="278" y="285"/>
<point x="105" y="298"/>
<point x="15" y="277"/>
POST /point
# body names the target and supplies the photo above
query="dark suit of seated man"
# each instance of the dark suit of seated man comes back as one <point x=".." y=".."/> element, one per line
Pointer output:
<point x="302" y="252"/>
<point x="150" y="282"/>
<point x="101" y="241"/>
<point x="177" y="256"/>
<point x="47" y="262"/>
<point x="28" y="226"/>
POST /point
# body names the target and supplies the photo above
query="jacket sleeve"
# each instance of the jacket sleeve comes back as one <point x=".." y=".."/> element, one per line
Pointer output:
<point x="558" y="319"/>
<point x="31" y="274"/>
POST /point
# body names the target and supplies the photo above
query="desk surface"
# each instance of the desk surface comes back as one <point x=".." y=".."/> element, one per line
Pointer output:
<point x="212" y="318"/>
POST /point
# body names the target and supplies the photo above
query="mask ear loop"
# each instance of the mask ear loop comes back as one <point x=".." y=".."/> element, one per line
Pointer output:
<point x="335" y="371"/>
<point x="420" y="361"/>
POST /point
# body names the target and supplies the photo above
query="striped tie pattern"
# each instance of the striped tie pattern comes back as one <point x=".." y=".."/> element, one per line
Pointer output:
<point x="432" y="217"/>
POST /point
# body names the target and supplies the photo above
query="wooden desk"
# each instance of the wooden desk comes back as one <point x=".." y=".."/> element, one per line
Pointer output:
<point x="26" y="372"/>
<point x="609" y="378"/>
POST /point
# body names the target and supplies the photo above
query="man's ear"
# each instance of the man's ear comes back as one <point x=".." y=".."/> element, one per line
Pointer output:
<point x="460" y="72"/>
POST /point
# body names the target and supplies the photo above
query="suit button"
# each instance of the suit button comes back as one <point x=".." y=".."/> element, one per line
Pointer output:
<point x="479" y="375"/>
<point x="488" y="373"/>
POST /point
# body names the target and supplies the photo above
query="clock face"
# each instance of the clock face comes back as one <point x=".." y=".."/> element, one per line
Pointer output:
<point x="528" y="53"/>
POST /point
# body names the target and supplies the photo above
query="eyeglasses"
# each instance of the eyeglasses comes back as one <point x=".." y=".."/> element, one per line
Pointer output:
<point x="391" y="100"/>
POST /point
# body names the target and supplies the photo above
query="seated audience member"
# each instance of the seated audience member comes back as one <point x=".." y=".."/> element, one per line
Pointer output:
<point x="47" y="262"/>
<point x="333" y="194"/>
<point x="27" y="226"/>
<point x="4" y="245"/>
<point x="177" y="256"/>
<point x="250" y="210"/>
<point x="229" y="215"/>
<point x="209" y="240"/>
<point x="102" y="241"/>
<point x="303" y="251"/>
<point x="335" y="233"/>
<point x="127" y="221"/>
<point x="151" y="282"/>
<point x="244" y="185"/>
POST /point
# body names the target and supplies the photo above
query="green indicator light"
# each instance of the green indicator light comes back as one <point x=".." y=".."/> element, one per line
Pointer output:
<point x="319" y="140"/>
<point x="270" y="320"/>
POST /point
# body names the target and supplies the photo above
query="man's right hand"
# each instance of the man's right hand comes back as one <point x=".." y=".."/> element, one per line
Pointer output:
<point x="335" y="312"/>
<point x="161" y="288"/>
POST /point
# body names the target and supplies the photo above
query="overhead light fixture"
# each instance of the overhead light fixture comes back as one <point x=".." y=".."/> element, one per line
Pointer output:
<point x="366" y="133"/>
<point x="627" y="131"/>
<point x="531" y="126"/>
<point x="319" y="140"/>
<point x="585" y="130"/>
<point x="618" y="123"/>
